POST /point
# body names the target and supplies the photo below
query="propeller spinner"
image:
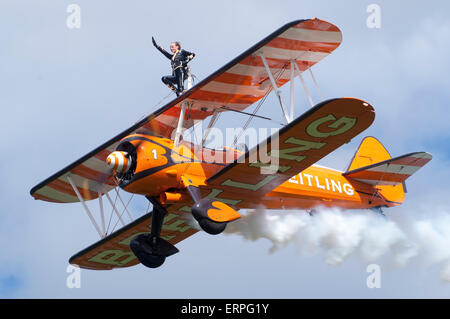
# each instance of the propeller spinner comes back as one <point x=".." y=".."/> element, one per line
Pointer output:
<point x="119" y="161"/>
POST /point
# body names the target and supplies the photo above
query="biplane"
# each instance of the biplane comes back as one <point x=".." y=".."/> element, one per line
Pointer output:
<point x="184" y="186"/>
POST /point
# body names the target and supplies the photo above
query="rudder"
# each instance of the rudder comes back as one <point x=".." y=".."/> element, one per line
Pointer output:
<point x="370" y="152"/>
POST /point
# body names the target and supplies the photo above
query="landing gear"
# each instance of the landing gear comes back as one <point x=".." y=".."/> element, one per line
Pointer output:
<point x="150" y="248"/>
<point x="142" y="248"/>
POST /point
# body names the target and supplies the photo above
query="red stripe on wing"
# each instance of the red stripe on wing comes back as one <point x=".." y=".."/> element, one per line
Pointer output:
<point x="224" y="98"/>
<point x="45" y="198"/>
<point x="92" y="174"/>
<point x="316" y="24"/>
<point x="66" y="188"/>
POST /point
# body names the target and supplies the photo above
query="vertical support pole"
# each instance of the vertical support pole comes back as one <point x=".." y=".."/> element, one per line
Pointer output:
<point x="180" y="124"/>
<point x="86" y="208"/>
<point x="115" y="209"/>
<point x="304" y="85"/>
<point x="210" y="124"/>
<point x="315" y="82"/>
<point x="292" y="76"/>
<point x="275" y="88"/>
<point x="102" y="214"/>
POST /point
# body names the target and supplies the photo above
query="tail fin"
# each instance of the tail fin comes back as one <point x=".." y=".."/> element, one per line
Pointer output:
<point x="370" y="151"/>
<point x="373" y="165"/>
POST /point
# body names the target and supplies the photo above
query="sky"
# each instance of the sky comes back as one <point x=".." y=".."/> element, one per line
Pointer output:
<point x="65" y="91"/>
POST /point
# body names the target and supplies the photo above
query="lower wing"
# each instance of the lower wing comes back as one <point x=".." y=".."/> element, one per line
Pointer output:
<point x="114" y="251"/>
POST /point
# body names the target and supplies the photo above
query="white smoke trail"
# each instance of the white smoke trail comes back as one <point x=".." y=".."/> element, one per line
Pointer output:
<point x="338" y="234"/>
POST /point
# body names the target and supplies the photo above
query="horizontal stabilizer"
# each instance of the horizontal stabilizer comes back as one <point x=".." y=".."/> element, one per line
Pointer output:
<point x="392" y="171"/>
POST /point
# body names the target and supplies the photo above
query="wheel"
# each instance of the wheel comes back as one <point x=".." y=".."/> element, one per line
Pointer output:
<point x="143" y="251"/>
<point x="211" y="227"/>
<point x="151" y="261"/>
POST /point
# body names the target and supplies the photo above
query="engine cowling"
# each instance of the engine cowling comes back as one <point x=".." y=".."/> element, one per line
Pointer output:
<point x="150" y="169"/>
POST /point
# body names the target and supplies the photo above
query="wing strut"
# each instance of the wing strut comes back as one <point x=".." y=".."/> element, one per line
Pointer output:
<point x="315" y="82"/>
<point x="294" y="67"/>
<point x="101" y="232"/>
<point x="303" y="83"/>
<point x="275" y="88"/>
<point x="212" y="121"/>
<point x="180" y="124"/>
<point x="86" y="208"/>
<point x="292" y="76"/>
<point x="102" y="213"/>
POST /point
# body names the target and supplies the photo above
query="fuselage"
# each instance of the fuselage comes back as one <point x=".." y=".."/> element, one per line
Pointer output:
<point x="160" y="166"/>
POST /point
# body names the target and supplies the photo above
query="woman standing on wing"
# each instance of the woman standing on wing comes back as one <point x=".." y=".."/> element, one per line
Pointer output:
<point x="180" y="58"/>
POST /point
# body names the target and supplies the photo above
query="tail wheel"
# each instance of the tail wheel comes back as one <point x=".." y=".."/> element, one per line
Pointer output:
<point x="211" y="227"/>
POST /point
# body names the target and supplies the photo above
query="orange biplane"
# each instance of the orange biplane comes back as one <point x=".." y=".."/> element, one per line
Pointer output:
<point x="183" y="180"/>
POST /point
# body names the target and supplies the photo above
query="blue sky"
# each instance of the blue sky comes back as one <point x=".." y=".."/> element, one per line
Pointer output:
<point x="66" y="91"/>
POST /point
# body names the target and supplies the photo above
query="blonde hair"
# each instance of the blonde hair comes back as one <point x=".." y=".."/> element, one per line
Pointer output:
<point x="177" y="44"/>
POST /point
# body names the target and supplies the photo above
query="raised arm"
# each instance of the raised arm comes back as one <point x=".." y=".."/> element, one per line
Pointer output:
<point x="167" y="54"/>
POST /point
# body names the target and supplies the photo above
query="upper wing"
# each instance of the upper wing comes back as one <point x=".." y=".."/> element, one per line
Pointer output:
<point x="244" y="80"/>
<point x="303" y="142"/>
<point x="114" y="251"/>
<point x="236" y="85"/>
<point x="392" y="171"/>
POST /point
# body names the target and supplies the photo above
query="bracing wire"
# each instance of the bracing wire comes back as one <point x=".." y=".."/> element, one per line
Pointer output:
<point x="123" y="211"/>
<point x="261" y="102"/>
<point x="111" y="215"/>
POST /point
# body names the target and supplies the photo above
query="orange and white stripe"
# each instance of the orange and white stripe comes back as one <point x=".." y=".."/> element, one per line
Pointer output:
<point x="391" y="172"/>
<point x="119" y="162"/>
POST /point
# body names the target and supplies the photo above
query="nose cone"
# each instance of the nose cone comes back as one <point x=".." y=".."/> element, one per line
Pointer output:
<point x="118" y="161"/>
